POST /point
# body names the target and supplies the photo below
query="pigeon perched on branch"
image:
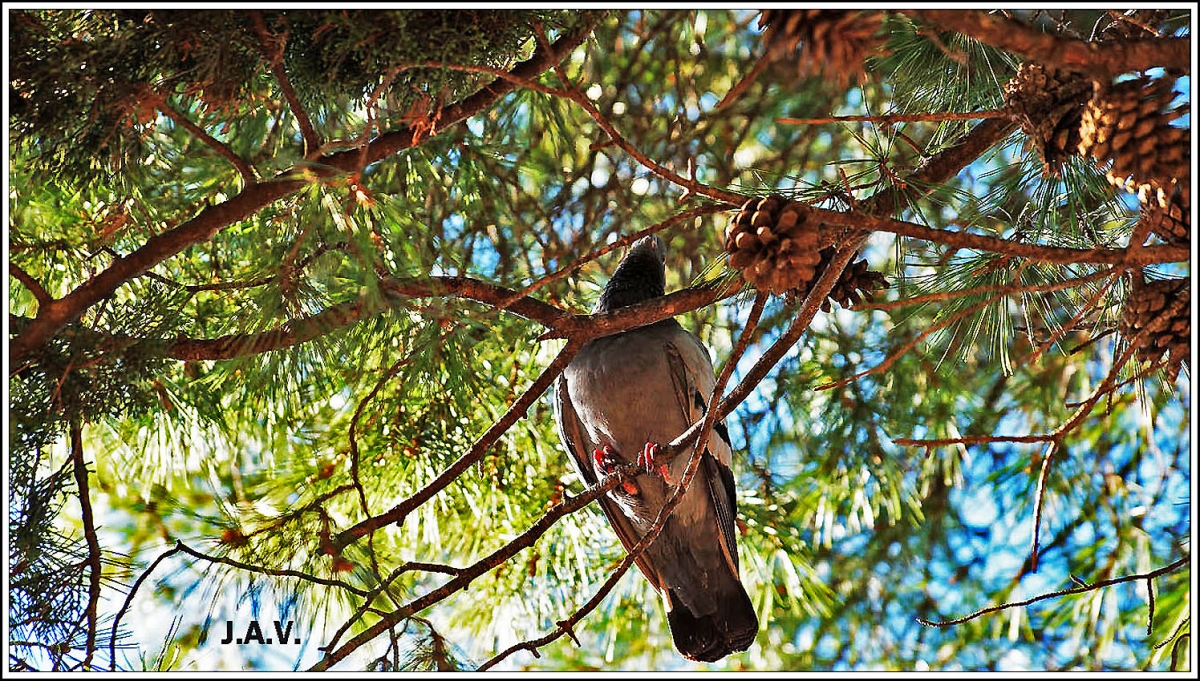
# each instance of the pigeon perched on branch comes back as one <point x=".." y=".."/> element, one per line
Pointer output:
<point x="619" y="400"/>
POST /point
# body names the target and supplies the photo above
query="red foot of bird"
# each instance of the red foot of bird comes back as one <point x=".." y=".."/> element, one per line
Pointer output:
<point x="606" y="462"/>
<point x="646" y="461"/>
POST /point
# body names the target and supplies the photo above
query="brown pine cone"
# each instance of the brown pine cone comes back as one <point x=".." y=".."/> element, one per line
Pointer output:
<point x="1167" y="213"/>
<point x="835" y="42"/>
<point x="855" y="283"/>
<point x="774" y="243"/>
<point x="1129" y="123"/>
<point x="1048" y="104"/>
<point x="1152" y="302"/>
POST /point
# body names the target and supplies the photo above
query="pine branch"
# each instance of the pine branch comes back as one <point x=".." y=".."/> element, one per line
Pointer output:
<point x="273" y="572"/>
<point x="137" y="584"/>
<point x="568" y="92"/>
<point x="272" y="48"/>
<point x="976" y="290"/>
<point x="53" y="316"/>
<point x="888" y="119"/>
<point x="1059" y="594"/>
<point x="468" y="574"/>
<point x="1102" y="59"/>
<point x="365" y="606"/>
<point x="515" y="412"/>
<point x="1135" y="256"/>
<point x="1108" y="385"/>
<point x="35" y="287"/>
<point x="93" y="542"/>
<point x="901" y="351"/>
<point x="249" y="177"/>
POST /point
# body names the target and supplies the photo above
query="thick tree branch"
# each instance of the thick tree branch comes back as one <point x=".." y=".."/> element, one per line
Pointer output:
<point x="93" y="542"/>
<point x="40" y="294"/>
<point x="1059" y="594"/>
<point x="1105" y="59"/>
<point x="54" y="316"/>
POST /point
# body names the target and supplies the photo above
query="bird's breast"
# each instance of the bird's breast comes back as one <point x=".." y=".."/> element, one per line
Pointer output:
<point x="622" y="389"/>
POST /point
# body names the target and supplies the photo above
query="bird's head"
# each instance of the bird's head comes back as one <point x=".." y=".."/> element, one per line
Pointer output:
<point x="639" y="276"/>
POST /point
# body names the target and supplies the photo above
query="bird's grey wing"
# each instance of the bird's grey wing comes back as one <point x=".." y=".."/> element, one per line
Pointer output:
<point x="693" y="380"/>
<point x="579" y="446"/>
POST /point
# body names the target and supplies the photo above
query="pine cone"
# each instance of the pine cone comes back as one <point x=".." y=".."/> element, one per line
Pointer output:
<point x="855" y="283"/>
<point x="1129" y="123"/>
<point x="774" y="243"/>
<point x="1167" y="213"/>
<point x="1048" y="104"/>
<point x="835" y="41"/>
<point x="1148" y="302"/>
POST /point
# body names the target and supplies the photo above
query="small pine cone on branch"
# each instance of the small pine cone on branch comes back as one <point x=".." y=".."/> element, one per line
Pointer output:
<point x="1152" y="302"/>
<point x="1167" y="213"/>
<point x="1129" y="123"/>
<point x="835" y="42"/>
<point x="855" y="283"/>
<point x="1048" y="105"/>
<point x="774" y="242"/>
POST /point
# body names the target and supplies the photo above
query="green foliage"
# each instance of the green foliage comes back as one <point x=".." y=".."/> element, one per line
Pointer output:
<point x="256" y="459"/>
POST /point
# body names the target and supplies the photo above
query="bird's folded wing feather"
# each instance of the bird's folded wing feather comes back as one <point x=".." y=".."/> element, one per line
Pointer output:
<point x="693" y="379"/>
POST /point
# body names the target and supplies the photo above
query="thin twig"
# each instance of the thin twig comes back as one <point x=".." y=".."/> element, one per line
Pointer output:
<point x="1084" y="310"/>
<point x="744" y="84"/>
<point x="888" y="119"/>
<point x="1127" y="257"/>
<point x="900" y="352"/>
<point x="112" y="641"/>
<point x="249" y="177"/>
<point x="93" y="542"/>
<point x="272" y="49"/>
<point x="224" y="560"/>
<point x="1038" y="500"/>
<point x="989" y="288"/>
<point x="365" y="606"/>
<point x="353" y="431"/>
<point x="1150" y="603"/>
<point x="1106" y="386"/>
<point x="1059" y="594"/>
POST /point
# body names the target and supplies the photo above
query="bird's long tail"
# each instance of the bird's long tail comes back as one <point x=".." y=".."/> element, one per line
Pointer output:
<point x="707" y="638"/>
